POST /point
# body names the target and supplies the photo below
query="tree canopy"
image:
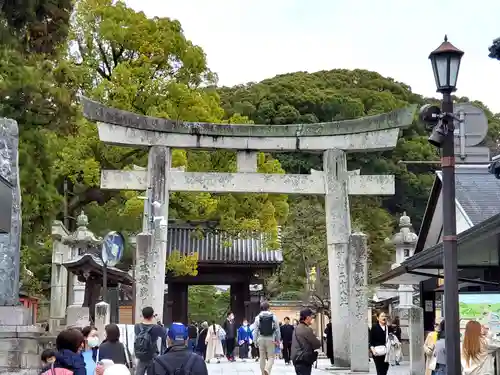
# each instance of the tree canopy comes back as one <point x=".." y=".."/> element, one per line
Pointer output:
<point x="50" y="53"/>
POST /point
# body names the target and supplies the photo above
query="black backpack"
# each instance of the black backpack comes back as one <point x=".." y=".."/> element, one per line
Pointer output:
<point x="266" y="325"/>
<point x="144" y="347"/>
<point x="185" y="369"/>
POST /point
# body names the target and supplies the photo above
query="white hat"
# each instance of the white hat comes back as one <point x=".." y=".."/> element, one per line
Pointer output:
<point x="117" y="369"/>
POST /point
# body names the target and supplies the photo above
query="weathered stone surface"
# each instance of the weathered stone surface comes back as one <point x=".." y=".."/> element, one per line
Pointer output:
<point x="313" y="183"/>
<point x="415" y="316"/>
<point x="358" y="303"/>
<point x="19" y="349"/>
<point x="15" y="316"/>
<point x="59" y="277"/>
<point x="98" y="112"/>
<point x="102" y="317"/>
<point x="338" y="229"/>
<point x="77" y="316"/>
<point x="377" y="140"/>
<point x="246" y="161"/>
<point x="10" y="243"/>
<point x="152" y="243"/>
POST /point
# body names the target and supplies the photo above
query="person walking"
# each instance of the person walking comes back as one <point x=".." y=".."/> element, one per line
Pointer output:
<point x="440" y="351"/>
<point x="286" y="332"/>
<point x="430" y="343"/>
<point x="378" y="341"/>
<point x="111" y="348"/>
<point x="201" y="346"/>
<point x="214" y="343"/>
<point x="192" y="336"/>
<point x="304" y="344"/>
<point x="245" y="339"/>
<point x="179" y="359"/>
<point x="230" y="328"/>
<point x="395" y="328"/>
<point x="147" y="334"/>
<point x="267" y="336"/>
<point x="329" y="342"/>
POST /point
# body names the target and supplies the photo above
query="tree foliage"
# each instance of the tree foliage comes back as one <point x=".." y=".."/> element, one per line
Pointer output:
<point x="206" y="303"/>
<point x="340" y="95"/>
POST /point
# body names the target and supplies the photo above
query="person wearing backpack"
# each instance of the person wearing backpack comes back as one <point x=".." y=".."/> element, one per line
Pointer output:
<point x="147" y="334"/>
<point x="267" y="336"/>
<point x="179" y="359"/>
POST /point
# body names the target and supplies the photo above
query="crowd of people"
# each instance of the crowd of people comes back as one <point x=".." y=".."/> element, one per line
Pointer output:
<point x="475" y="348"/>
<point x="182" y="349"/>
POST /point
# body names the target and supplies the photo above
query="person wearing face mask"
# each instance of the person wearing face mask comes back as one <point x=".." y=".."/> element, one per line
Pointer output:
<point x="244" y="339"/>
<point x="90" y="347"/>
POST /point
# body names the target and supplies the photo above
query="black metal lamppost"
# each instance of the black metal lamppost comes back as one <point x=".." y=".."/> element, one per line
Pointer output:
<point x="445" y="62"/>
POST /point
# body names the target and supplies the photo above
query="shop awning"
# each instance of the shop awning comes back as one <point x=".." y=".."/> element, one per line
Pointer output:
<point x="477" y="247"/>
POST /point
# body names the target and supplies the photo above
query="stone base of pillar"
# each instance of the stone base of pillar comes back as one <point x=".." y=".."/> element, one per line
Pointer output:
<point x="15" y="316"/>
<point x="415" y="317"/>
<point x="77" y="316"/>
<point x="19" y="348"/>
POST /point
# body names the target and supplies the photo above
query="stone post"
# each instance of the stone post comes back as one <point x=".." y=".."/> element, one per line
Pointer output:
<point x="358" y="303"/>
<point x="155" y="222"/>
<point x="415" y="317"/>
<point x="143" y="274"/>
<point x="18" y="337"/>
<point x="59" y="277"/>
<point x="338" y="229"/>
<point x="10" y="242"/>
<point x="102" y="317"/>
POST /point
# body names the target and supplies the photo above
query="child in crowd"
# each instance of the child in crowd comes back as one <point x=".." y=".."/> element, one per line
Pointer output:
<point x="48" y="357"/>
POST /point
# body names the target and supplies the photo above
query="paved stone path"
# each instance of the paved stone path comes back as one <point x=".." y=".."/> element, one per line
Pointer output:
<point x="279" y="368"/>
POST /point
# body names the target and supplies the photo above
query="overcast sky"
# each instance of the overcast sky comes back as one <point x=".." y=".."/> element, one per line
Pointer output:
<point x="250" y="40"/>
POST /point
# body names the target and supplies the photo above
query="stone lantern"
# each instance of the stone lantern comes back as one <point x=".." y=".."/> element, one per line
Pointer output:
<point x="87" y="269"/>
<point x="404" y="241"/>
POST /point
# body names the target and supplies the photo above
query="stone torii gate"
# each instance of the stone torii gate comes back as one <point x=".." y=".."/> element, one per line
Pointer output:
<point x="333" y="139"/>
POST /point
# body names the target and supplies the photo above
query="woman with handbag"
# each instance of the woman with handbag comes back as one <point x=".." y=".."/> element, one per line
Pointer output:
<point x="378" y="340"/>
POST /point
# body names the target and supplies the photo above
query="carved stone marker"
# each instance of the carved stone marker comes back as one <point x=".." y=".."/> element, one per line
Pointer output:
<point x="333" y="139"/>
<point x="18" y="337"/>
<point x="358" y="302"/>
<point x="10" y="242"/>
<point x="102" y="318"/>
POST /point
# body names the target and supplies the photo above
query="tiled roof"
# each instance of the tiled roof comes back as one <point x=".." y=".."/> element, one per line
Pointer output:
<point x="478" y="192"/>
<point x="212" y="247"/>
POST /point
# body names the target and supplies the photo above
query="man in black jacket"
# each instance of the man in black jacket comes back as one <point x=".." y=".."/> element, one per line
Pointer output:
<point x="230" y="328"/>
<point x="304" y="344"/>
<point x="179" y="359"/>
<point x="286" y="339"/>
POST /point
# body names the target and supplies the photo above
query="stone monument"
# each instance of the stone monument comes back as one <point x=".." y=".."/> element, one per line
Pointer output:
<point x="18" y="338"/>
<point x="333" y="139"/>
<point x="358" y="302"/>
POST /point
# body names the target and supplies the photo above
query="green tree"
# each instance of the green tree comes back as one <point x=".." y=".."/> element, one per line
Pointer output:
<point x="146" y="65"/>
<point x="206" y="303"/>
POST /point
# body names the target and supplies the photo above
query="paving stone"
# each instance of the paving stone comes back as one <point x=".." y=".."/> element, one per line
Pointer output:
<point x="252" y="368"/>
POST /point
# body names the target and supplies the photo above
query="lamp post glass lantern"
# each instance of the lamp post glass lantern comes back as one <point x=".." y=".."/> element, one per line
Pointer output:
<point x="445" y="62"/>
